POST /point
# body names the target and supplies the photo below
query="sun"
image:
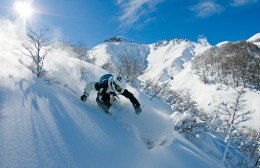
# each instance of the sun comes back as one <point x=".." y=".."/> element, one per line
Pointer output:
<point x="23" y="8"/>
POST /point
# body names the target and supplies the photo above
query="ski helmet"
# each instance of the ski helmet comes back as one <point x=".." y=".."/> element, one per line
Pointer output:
<point x="118" y="84"/>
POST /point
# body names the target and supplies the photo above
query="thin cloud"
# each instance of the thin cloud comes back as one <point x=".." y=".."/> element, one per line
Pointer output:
<point x="134" y="11"/>
<point x="206" y="8"/>
<point x="238" y="3"/>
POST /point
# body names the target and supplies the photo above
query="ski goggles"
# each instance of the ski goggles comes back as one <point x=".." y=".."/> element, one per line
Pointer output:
<point x="117" y="87"/>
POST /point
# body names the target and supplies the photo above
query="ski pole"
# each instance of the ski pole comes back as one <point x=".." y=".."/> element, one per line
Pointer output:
<point x="70" y="89"/>
<point x="157" y="92"/>
<point x="152" y="82"/>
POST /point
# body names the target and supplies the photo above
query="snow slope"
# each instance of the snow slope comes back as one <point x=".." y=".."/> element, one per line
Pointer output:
<point x="168" y="58"/>
<point x="48" y="126"/>
<point x="255" y="39"/>
<point x="114" y="50"/>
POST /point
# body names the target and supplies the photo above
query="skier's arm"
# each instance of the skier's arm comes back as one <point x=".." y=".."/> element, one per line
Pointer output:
<point x="100" y="85"/>
<point x="93" y="86"/>
<point x="133" y="100"/>
<point x="90" y="86"/>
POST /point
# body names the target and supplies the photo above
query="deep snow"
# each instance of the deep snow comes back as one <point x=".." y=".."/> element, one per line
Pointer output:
<point x="172" y="58"/>
<point x="48" y="126"/>
<point x="45" y="125"/>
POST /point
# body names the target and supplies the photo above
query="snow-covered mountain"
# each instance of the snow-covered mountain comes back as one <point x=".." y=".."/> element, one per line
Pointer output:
<point x="255" y="39"/>
<point x="113" y="50"/>
<point x="172" y="58"/>
<point x="165" y="57"/>
<point x="43" y="122"/>
<point x="168" y="58"/>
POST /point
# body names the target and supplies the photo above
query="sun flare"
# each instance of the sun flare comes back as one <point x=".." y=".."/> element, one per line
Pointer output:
<point x="23" y="8"/>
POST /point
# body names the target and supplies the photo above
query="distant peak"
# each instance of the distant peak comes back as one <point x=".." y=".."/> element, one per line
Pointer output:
<point x="255" y="38"/>
<point x="115" y="39"/>
<point x="168" y="41"/>
<point x="180" y="40"/>
<point x="174" y="40"/>
<point x="203" y="41"/>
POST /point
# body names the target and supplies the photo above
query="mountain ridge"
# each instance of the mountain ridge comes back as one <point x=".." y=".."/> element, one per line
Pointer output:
<point x="172" y="58"/>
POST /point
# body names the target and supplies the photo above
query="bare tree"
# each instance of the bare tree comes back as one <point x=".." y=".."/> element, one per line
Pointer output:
<point x="109" y="66"/>
<point x="232" y="64"/>
<point x="37" y="47"/>
<point x="234" y="114"/>
<point x="81" y="51"/>
<point x="130" y="66"/>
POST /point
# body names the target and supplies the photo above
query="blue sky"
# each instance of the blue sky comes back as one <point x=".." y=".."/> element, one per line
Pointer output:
<point x="143" y="21"/>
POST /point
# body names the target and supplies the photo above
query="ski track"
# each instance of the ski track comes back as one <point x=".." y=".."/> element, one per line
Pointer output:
<point x="149" y="127"/>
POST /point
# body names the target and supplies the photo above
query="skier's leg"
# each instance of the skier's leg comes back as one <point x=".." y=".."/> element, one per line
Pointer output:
<point x="103" y="102"/>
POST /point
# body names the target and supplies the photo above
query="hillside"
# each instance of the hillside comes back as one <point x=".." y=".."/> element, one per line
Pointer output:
<point x="173" y="58"/>
<point x="43" y="123"/>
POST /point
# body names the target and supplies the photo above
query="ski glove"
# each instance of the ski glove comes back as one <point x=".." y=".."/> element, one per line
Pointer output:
<point x="84" y="97"/>
<point x="137" y="108"/>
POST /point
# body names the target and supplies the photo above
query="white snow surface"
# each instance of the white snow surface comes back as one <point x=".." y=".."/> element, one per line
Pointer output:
<point x="254" y="37"/>
<point x="222" y="43"/>
<point x="178" y="118"/>
<point x="48" y="126"/>
<point x="172" y="58"/>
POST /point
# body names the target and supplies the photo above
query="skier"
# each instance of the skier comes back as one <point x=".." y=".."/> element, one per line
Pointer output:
<point x="110" y="85"/>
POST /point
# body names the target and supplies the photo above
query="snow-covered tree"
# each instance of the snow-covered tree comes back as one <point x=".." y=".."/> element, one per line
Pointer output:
<point x="81" y="51"/>
<point x="109" y="66"/>
<point x="247" y="141"/>
<point x="235" y="64"/>
<point x="187" y="117"/>
<point x="234" y="114"/>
